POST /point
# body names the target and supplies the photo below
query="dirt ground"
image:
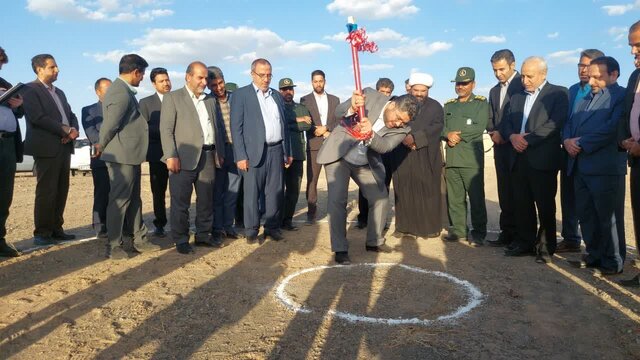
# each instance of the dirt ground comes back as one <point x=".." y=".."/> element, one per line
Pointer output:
<point x="68" y="302"/>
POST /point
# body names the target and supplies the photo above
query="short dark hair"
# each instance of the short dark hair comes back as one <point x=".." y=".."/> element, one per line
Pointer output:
<point x="591" y="53"/>
<point x="503" y="54"/>
<point x="97" y="84"/>
<point x="317" y="72"/>
<point x="407" y="103"/>
<point x="608" y="61"/>
<point x="215" y="73"/>
<point x="131" y="62"/>
<point x="39" y="61"/>
<point x="157" y="71"/>
<point x="384" y="82"/>
<point x="3" y="56"/>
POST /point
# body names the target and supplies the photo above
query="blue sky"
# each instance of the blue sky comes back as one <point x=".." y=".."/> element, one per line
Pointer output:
<point x="87" y="38"/>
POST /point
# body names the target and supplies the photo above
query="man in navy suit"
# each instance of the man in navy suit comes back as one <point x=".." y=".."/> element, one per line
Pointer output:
<point x="532" y="124"/>
<point x="261" y="149"/>
<point x="91" y="122"/>
<point x="598" y="168"/>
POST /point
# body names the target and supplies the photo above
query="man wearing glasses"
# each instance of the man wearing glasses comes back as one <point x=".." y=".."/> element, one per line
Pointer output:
<point x="261" y="148"/>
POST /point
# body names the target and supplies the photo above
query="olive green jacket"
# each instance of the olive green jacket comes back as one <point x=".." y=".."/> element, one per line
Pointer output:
<point x="296" y="129"/>
<point x="470" y="118"/>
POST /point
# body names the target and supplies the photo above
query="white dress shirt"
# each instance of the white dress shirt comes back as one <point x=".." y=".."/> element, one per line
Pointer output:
<point x="322" y="100"/>
<point x="528" y="104"/>
<point x="203" y="116"/>
<point x="270" y="115"/>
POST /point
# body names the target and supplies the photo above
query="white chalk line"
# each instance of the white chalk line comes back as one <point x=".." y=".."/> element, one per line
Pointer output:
<point x="474" y="294"/>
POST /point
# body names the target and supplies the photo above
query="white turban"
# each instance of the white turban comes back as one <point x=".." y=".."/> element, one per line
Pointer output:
<point x="421" y="79"/>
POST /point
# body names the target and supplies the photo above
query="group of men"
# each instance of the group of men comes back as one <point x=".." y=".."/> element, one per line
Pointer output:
<point x="252" y="140"/>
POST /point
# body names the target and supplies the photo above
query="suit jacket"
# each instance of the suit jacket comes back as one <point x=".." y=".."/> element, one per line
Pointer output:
<point x="44" y="121"/>
<point x="597" y="129"/>
<point x="546" y="118"/>
<point x="624" y="130"/>
<point x="150" y="109"/>
<point x="340" y="142"/>
<point x="19" y="112"/>
<point x="496" y="113"/>
<point x="247" y="125"/>
<point x="124" y="134"/>
<point x="314" y="142"/>
<point x="92" y="122"/>
<point x="180" y="128"/>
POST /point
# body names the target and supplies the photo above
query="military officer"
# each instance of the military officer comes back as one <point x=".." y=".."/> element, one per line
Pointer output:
<point x="465" y="119"/>
<point x="298" y="120"/>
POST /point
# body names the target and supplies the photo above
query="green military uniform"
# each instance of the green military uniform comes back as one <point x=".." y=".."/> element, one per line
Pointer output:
<point x="465" y="165"/>
<point x="293" y="174"/>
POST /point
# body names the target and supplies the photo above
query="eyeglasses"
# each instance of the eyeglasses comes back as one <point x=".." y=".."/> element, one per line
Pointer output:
<point x="582" y="66"/>
<point x="264" y="76"/>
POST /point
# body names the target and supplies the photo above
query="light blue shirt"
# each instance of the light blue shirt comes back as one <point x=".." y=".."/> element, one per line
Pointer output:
<point x="7" y="118"/>
<point x="580" y="94"/>
<point x="528" y="104"/>
<point x="270" y="115"/>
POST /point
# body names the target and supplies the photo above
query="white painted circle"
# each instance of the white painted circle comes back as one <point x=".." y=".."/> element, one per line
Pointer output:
<point x="474" y="295"/>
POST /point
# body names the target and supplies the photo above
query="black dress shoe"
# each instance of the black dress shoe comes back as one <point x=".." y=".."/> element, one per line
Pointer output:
<point x="581" y="264"/>
<point x="384" y="248"/>
<point x="213" y="241"/>
<point x="252" y="239"/>
<point x="633" y="282"/>
<point x="7" y="250"/>
<point x="289" y="227"/>
<point x="274" y="235"/>
<point x="452" y="237"/>
<point x="62" y="236"/>
<point x="607" y="271"/>
<point x="496" y="243"/>
<point x="184" y="248"/>
<point x="232" y="234"/>
<point x="159" y="232"/>
<point x="518" y="251"/>
<point x="342" y="258"/>
<point x="116" y="253"/>
<point x="565" y="247"/>
<point x="145" y="245"/>
<point x="361" y="224"/>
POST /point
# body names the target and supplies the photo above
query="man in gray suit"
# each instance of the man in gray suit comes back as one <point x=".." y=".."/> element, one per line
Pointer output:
<point x="345" y="157"/>
<point x="91" y="122"/>
<point x="158" y="173"/>
<point x="51" y="129"/>
<point x="189" y="133"/>
<point x="261" y="147"/>
<point x="123" y="146"/>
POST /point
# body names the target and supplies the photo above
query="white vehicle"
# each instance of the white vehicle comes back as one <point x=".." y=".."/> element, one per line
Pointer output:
<point x="81" y="158"/>
<point x="26" y="164"/>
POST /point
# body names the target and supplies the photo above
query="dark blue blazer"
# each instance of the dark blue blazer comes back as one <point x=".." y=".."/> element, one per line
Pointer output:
<point x="573" y="91"/>
<point x="597" y="129"/>
<point x="247" y="125"/>
<point x="91" y="123"/>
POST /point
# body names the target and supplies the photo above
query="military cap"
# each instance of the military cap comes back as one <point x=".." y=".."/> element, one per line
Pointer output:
<point x="285" y="83"/>
<point x="231" y="87"/>
<point x="465" y="74"/>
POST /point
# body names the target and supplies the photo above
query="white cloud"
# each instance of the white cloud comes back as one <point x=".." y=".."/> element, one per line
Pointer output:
<point x="376" y="67"/>
<point x="101" y="10"/>
<point x="493" y="39"/>
<point x="565" y="56"/>
<point x="615" y="10"/>
<point x="618" y="32"/>
<point x="373" y="9"/>
<point x="415" y="48"/>
<point x="232" y="44"/>
<point x="553" y="35"/>
<point x="384" y="34"/>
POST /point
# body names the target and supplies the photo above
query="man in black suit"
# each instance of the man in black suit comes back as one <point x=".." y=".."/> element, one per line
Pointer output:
<point x="322" y="107"/>
<point x="51" y="130"/>
<point x="504" y="68"/>
<point x="532" y="124"/>
<point x="92" y="122"/>
<point x="629" y="138"/>
<point x="158" y="173"/>
<point x="10" y="153"/>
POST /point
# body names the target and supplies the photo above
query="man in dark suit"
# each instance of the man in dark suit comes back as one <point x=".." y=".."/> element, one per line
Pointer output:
<point x="345" y="157"/>
<point x="577" y="93"/>
<point x="322" y="107"/>
<point x="504" y="68"/>
<point x="261" y="147"/>
<point x="598" y="168"/>
<point x="158" y="173"/>
<point x="51" y="129"/>
<point x="123" y="146"/>
<point x="10" y="153"/>
<point x="532" y="124"/>
<point x="91" y="123"/>
<point x="189" y="132"/>
<point x="629" y="138"/>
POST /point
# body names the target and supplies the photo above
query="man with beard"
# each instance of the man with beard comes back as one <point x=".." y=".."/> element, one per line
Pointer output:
<point x="417" y="177"/>
<point x="298" y="121"/>
<point x="465" y="119"/>
<point x="322" y="107"/>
